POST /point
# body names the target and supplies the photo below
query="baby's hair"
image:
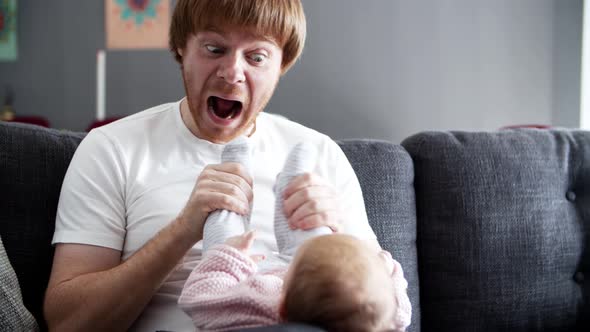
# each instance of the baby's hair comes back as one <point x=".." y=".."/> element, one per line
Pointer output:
<point x="333" y="287"/>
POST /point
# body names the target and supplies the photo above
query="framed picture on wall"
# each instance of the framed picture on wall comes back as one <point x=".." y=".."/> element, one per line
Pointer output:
<point x="8" y="46"/>
<point x="137" y="23"/>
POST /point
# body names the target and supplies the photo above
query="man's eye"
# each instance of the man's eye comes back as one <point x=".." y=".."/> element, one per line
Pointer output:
<point x="214" y="49"/>
<point x="258" y="57"/>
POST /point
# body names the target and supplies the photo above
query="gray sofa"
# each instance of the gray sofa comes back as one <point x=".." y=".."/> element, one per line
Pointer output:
<point x="492" y="228"/>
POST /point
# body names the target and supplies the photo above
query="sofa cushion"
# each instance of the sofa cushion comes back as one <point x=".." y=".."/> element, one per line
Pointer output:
<point x="502" y="218"/>
<point x="386" y="175"/>
<point x="33" y="163"/>
<point x="13" y="314"/>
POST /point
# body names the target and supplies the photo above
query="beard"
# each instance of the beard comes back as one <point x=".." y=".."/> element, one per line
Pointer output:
<point x="197" y="101"/>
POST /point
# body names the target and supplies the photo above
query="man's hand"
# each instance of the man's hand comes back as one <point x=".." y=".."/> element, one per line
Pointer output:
<point x="311" y="202"/>
<point x="226" y="186"/>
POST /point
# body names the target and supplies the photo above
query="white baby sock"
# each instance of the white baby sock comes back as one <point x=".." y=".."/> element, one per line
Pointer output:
<point x="300" y="160"/>
<point x="223" y="224"/>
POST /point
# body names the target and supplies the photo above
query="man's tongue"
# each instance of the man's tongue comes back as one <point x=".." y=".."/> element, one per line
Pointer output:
<point x="223" y="108"/>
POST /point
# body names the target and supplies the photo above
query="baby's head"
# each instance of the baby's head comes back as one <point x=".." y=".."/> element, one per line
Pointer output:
<point x="339" y="283"/>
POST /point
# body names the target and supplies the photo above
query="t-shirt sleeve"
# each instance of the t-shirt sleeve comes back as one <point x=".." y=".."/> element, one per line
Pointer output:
<point x="337" y="169"/>
<point x="91" y="208"/>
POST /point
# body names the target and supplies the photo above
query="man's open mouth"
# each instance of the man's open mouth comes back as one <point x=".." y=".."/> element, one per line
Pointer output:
<point x="224" y="108"/>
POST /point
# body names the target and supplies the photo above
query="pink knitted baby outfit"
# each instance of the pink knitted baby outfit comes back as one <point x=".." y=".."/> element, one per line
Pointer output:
<point x="225" y="292"/>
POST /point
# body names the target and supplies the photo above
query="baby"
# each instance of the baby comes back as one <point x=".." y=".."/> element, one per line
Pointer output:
<point x="339" y="283"/>
<point x="334" y="281"/>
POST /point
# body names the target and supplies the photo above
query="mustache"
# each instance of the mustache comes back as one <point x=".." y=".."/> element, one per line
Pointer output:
<point x="223" y="88"/>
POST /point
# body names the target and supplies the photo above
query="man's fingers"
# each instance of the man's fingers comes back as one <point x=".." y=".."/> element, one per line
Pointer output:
<point x="330" y="219"/>
<point x="302" y="181"/>
<point x="227" y="189"/>
<point x="312" y="207"/>
<point x="219" y="201"/>
<point x="225" y="186"/>
<point x="218" y="177"/>
<point x="235" y="169"/>
<point x="309" y="202"/>
<point x="304" y="195"/>
<point x="217" y="189"/>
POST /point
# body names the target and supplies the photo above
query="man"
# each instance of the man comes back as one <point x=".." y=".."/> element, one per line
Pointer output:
<point x="138" y="191"/>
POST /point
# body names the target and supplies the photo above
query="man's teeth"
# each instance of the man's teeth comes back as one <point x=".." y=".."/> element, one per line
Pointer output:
<point x="229" y="116"/>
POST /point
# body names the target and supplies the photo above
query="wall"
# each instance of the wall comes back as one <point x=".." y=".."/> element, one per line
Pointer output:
<point x="55" y="75"/>
<point x="378" y="68"/>
<point x="567" y="49"/>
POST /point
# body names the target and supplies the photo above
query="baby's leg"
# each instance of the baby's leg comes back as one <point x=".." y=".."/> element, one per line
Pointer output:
<point x="223" y="224"/>
<point x="300" y="160"/>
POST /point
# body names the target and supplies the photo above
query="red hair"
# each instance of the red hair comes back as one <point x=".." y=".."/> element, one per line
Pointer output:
<point x="282" y="21"/>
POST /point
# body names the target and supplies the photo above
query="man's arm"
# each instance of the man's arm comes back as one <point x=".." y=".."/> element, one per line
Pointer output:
<point x="90" y="290"/>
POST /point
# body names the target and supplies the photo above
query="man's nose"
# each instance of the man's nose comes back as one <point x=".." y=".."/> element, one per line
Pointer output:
<point x="232" y="69"/>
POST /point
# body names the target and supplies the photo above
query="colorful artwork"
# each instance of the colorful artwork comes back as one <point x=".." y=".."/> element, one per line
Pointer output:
<point x="8" y="50"/>
<point x="137" y="23"/>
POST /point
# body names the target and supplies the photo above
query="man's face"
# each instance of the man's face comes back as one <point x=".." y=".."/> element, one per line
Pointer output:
<point x="229" y="77"/>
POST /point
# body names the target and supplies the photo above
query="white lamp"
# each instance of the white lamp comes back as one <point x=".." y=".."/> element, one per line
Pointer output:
<point x="100" y="85"/>
<point x="585" y="82"/>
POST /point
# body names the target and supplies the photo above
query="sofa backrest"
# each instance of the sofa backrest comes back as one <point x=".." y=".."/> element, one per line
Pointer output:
<point x="497" y="223"/>
<point x="503" y="229"/>
<point x="386" y="175"/>
<point x="33" y="162"/>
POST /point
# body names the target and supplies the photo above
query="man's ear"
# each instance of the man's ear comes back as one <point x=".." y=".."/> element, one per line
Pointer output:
<point x="179" y="51"/>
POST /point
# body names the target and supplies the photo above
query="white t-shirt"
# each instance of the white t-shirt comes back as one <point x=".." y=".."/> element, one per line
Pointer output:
<point x="131" y="178"/>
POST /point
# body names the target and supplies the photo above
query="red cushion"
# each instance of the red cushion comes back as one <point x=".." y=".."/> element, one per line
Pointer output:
<point x="35" y="120"/>
<point x="99" y="123"/>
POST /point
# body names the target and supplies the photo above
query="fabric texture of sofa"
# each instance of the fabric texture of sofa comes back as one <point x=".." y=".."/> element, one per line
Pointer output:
<point x="492" y="228"/>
